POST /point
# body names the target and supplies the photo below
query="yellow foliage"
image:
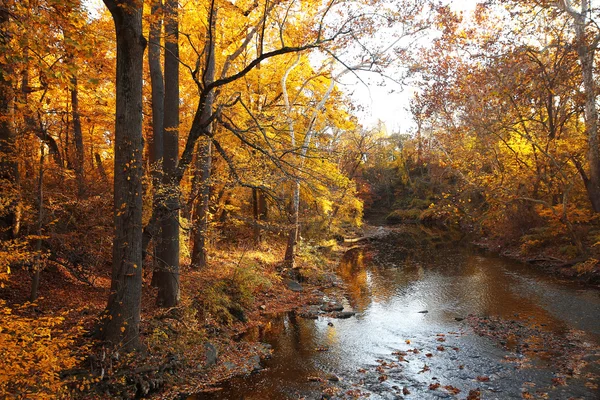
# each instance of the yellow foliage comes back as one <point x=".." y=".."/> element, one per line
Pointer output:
<point x="586" y="267"/>
<point x="33" y="351"/>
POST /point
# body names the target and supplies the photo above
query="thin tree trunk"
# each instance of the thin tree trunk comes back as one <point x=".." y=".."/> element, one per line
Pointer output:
<point x="259" y="207"/>
<point x="290" y="252"/>
<point x="78" y="138"/>
<point x="586" y="58"/>
<point x="586" y="52"/>
<point x="121" y="324"/>
<point x="100" y="167"/>
<point x="204" y="157"/>
<point x="35" y="281"/>
<point x="168" y="248"/>
<point x="201" y="222"/>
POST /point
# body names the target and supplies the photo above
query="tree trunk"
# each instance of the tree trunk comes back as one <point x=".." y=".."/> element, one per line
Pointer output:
<point x="9" y="170"/>
<point x="586" y="58"/>
<point x="35" y="281"/>
<point x="100" y="167"/>
<point x="259" y="207"/>
<point x="121" y="325"/>
<point x="204" y="157"/>
<point x="203" y="167"/>
<point x="158" y="110"/>
<point x="290" y="251"/>
<point x="78" y="138"/>
<point x="168" y="248"/>
<point x="586" y="51"/>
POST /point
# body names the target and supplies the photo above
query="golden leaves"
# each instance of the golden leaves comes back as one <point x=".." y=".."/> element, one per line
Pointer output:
<point x="32" y="352"/>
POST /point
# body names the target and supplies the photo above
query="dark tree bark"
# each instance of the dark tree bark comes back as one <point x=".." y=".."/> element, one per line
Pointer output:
<point x="35" y="281"/>
<point x="203" y="168"/>
<point x="100" y="167"/>
<point x="78" y="138"/>
<point x="158" y="93"/>
<point x="158" y="110"/>
<point x="168" y="247"/>
<point x="121" y="325"/>
<point x="9" y="170"/>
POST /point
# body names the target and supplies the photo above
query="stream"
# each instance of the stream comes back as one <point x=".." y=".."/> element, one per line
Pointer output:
<point x="440" y="323"/>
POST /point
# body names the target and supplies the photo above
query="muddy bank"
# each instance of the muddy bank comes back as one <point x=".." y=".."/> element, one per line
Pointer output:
<point x="585" y="269"/>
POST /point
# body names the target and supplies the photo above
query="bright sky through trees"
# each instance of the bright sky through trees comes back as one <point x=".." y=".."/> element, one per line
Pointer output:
<point x="389" y="102"/>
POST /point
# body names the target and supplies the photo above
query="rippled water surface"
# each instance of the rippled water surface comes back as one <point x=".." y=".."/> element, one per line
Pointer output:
<point x="449" y="283"/>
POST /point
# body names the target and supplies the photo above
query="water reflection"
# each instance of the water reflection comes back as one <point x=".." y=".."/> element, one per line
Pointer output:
<point x="448" y="284"/>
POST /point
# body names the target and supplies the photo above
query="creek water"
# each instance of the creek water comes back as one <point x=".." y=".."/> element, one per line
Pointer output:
<point x="390" y="294"/>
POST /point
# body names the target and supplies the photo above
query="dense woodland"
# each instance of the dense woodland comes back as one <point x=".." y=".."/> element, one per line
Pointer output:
<point x="166" y="165"/>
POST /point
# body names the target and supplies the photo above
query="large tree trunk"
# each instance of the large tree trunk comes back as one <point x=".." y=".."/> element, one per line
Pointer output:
<point x="158" y="110"/>
<point x="168" y="247"/>
<point x="121" y="325"/>
<point x="9" y="171"/>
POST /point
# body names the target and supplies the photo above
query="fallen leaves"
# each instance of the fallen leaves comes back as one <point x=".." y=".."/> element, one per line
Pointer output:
<point x="559" y="381"/>
<point x="452" y="390"/>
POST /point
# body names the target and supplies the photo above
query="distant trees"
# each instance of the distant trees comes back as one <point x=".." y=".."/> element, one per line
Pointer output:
<point x="506" y="134"/>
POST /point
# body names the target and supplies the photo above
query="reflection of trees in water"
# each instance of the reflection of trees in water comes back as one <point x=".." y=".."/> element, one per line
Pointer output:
<point x="366" y="282"/>
<point x="353" y="272"/>
<point x="488" y="289"/>
<point x="479" y="284"/>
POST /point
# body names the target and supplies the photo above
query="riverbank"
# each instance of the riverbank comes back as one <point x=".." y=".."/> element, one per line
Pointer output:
<point x="585" y="269"/>
<point x="552" y="252"/>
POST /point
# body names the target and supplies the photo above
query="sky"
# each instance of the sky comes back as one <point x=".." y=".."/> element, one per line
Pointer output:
<point x="389" y="103"/>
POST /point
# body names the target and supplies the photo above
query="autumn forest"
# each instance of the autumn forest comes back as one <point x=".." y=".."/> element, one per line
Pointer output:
<point x="183" y="181"/>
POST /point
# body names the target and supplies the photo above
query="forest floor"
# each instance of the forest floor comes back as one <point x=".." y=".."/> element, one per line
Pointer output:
<point x="187" y="349"/>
